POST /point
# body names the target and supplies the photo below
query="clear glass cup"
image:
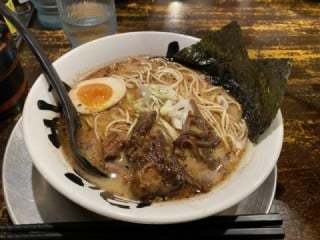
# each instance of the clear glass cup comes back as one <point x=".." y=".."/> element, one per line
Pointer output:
<point x="86" y="20"/>
<point x="47" y="13"/>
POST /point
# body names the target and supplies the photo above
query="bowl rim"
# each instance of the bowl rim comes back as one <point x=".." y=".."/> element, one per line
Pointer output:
<point x="135" y="216"/>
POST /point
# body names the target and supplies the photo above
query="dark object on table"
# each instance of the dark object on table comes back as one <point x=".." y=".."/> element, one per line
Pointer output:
<point x="13" y="86"/>
<point x="259" y="85"/>
<point x="263" y="226"/>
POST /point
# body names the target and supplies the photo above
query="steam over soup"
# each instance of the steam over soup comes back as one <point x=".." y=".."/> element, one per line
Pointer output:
<point x="157" y="129"/>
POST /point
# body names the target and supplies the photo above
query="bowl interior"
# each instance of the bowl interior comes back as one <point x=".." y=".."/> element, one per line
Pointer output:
<point x="254" y="168"/>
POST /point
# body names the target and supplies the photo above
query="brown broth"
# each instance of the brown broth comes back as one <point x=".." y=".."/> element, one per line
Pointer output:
<point x="121" y="171"/>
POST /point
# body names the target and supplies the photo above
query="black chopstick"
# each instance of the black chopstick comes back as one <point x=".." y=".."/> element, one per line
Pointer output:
<point x="258" y="226"/>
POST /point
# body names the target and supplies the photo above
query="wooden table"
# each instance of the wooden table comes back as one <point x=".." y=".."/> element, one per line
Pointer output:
<point x="271" y="29"/>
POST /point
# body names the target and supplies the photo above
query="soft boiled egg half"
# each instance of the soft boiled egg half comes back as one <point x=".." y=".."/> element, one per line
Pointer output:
<point x="95" y="95"/>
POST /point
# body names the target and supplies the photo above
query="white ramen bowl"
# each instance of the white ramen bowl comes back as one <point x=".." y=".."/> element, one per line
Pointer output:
<point x="50" y="161"/>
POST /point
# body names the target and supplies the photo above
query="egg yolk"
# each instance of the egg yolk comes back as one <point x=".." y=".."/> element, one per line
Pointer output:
<point x="94" y="95"/>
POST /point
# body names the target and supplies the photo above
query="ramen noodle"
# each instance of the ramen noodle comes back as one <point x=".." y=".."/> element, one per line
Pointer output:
<point x="160" y="131"/>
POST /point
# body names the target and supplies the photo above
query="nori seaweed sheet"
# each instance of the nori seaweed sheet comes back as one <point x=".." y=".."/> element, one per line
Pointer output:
<point x="257" y="84"/>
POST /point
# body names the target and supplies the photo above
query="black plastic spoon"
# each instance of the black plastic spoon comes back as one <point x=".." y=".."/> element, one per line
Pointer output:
<point x="68" y="109"/>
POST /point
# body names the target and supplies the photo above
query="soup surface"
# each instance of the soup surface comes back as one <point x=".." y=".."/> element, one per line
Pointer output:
<point x="157" y="129"/>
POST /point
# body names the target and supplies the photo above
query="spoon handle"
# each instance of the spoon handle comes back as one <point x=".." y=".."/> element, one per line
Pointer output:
<point x="52" y="76"/>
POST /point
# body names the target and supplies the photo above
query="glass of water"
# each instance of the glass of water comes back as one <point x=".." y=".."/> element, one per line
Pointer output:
<point x="47" y="13"/>
<point x="86" y="20"/>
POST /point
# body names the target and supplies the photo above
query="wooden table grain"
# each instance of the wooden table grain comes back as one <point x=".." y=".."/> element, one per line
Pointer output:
<point x="271" y="29"/>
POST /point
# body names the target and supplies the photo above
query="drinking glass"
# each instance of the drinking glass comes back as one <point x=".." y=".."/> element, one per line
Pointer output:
<point x="47" y="13"/>
<point x="86" y="20"/>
